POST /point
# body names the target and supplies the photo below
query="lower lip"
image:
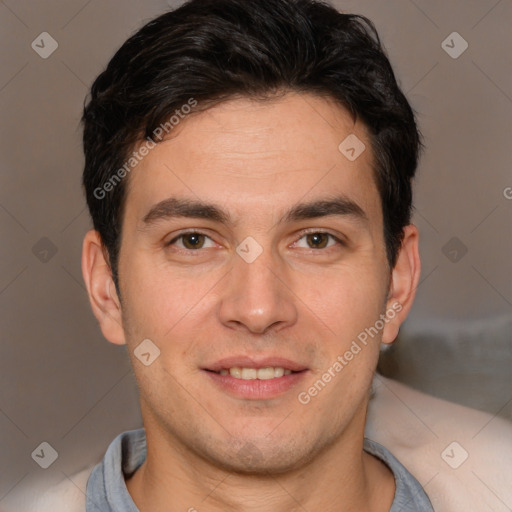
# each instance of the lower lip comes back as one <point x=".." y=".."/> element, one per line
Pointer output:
<point x="256" y="389"/>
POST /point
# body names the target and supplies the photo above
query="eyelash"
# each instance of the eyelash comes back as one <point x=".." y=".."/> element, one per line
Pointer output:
<point x="303" y="234"/>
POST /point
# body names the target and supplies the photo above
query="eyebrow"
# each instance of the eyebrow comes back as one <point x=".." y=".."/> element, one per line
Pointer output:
<point x="176" y="207"/>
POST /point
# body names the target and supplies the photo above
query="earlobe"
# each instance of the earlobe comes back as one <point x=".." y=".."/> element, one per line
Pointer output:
<point x="404" y="281"/>
<point x="100" y="286"/>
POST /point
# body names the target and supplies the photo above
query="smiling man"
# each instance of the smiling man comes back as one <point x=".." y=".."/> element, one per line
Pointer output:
<point x="248" y="172"/>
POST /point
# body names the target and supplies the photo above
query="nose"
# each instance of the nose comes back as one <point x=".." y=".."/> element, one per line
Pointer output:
<point x="257" y="296"/>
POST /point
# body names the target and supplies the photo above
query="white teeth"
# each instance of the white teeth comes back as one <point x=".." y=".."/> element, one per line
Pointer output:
<point x="249" y="373"/>
<point x="266" y="373"/>
<point x="256" y="373"/>
<point x="236" y="372"/>
<point x="279" y="372"/>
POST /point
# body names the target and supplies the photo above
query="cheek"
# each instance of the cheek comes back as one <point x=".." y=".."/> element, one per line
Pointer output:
<point x="345" y="301"/>
<point x="160" y="300"/>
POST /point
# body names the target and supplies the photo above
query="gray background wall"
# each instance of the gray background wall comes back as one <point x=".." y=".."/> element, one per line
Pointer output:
<point x="62" y="383"/>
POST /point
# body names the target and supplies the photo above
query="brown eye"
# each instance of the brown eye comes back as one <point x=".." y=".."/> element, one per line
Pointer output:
<point x="317" y="240"/>
<point x="192" y="241"/>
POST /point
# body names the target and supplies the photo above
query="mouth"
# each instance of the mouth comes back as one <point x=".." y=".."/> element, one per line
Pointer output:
<point x="249" y="378"/>
<point x="266" y="373"/>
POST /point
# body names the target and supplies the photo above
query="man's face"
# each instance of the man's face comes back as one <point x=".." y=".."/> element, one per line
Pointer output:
<point x="320" y="280"/>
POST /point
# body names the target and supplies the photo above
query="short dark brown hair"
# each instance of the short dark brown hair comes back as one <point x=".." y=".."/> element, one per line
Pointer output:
<point x="214" y="50"/>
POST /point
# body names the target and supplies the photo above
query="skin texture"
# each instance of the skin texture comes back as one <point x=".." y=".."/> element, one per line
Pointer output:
<point x="255" y="160"/>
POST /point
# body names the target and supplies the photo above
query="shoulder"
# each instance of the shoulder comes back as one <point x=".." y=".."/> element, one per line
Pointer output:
<point x="461" y="456"/>
<point x="67" y="496"/>
<point x="125" y="452"/>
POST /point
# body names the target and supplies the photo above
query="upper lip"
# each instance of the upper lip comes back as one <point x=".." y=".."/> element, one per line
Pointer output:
<point x="255" y="362"/>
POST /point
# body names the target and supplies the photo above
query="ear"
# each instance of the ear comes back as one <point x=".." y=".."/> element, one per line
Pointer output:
<point x="105" y="303"/>
<point x="404" y="281"/>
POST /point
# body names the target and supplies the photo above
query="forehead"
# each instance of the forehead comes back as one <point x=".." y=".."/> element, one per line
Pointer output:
<point x="259" y="156"/>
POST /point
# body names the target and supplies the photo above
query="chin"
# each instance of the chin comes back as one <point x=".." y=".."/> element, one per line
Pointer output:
<point x="260" y="458"/>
